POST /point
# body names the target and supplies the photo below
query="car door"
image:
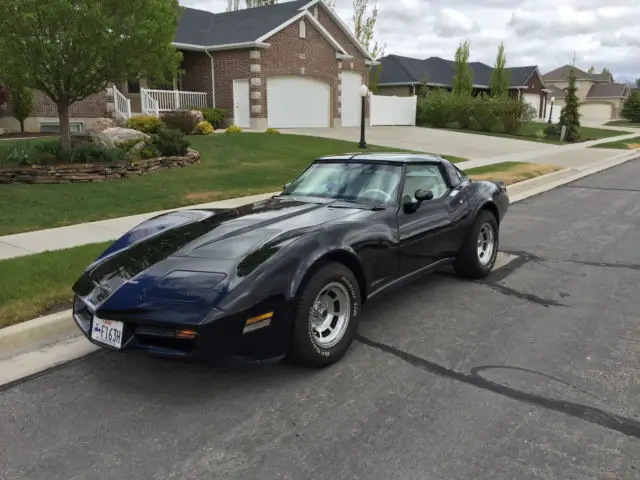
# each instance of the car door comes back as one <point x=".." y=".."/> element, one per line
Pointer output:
<point x="429" y="230"/>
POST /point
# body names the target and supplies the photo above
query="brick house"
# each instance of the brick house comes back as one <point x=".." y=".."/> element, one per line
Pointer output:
<point x="293" y="64"/>
<point x="403" y="76"/>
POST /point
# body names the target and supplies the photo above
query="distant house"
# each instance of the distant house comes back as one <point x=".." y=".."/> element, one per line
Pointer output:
<point x="404" y="76"/>
<point x="600" y="97"/>
<point x="293" y="64"/>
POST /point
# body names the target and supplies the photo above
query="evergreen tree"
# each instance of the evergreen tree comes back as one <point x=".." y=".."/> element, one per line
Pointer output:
<point x="463" y="79"/>
<point x="500" y="78"/>
<point x="570" y="117"/>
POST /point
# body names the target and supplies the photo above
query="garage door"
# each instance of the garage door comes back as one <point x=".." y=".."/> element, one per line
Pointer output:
<point x="533" y="100"/>
<point x="297" y="102"/>
<point x="351" y="102"/>
<point x="595" y="111"/>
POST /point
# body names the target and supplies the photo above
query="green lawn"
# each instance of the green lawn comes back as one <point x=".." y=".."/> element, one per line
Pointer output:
<point x="231" y="165"/>
<point x="629" y="144"/>
<point x="533" y="132"/>
<point x="41" y="283"/>
<point x="623" y="123"/>
<point x="510" y="172"/>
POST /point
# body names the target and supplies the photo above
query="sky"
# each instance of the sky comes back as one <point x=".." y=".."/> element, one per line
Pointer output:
<point x="546" y="33"/>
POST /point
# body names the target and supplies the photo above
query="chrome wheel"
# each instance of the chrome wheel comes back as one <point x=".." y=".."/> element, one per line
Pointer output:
<point x="486" y="244"/>
<point x="330" y="314"/>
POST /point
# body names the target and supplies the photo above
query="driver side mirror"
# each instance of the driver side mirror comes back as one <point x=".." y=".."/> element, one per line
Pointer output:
<point x="286" y="185"/>
<point x="410" y="206"/>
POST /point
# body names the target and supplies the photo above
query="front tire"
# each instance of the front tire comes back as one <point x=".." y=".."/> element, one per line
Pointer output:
<point x="479" y="252"/>
<point x="326" y="318"/>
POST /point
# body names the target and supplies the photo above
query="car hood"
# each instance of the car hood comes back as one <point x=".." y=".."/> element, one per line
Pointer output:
<point x="181" y="240"/>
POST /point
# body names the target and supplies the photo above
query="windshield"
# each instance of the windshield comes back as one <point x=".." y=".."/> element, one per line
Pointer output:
<point x="356" y="182"/>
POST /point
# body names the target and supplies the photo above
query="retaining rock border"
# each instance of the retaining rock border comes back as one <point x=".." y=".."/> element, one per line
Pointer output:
<point x="94" y="172"/>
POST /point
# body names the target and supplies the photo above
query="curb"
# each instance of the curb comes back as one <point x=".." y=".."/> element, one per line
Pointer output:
<point x="33" y="343"/>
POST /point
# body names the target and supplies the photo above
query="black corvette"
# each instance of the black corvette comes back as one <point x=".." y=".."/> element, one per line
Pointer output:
<point x="289" y="275"/>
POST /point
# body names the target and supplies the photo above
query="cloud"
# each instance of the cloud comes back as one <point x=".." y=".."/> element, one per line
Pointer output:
<point x="546" y="33"/>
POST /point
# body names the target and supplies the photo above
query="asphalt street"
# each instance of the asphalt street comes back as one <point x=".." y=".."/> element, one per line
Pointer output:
<point x="531" y="374"/>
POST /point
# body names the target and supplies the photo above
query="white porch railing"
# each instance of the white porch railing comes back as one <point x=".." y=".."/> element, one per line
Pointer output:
<point x="148" y="104"/>
<point x="122" y="104"/>
<point x="170" y="100"/>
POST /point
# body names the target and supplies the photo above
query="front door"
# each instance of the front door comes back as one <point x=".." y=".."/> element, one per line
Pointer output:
<point x="430" y="230"/>
<point x="241" y="109"/>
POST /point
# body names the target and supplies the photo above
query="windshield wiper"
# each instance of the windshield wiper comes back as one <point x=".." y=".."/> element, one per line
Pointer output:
<point x="353" y="204"/>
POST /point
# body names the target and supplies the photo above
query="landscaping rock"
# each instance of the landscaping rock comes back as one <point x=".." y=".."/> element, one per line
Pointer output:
<point x="197" y="116"/>
<point x="90" y="138"/>
<point x="119" y="135"/>
<point x="102" y="124"/>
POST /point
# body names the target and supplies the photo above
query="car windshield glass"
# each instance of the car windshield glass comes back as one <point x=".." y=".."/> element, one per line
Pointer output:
<point x="356" y="182"/>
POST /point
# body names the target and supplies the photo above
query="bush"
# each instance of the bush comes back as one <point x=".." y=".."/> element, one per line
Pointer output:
<point x="169" y="143"/>
<point x="182" y="120"/>
<point x="631" y="107"/>
<point x="94" y="153"/>
<point x="23" y="100"/>
<point x="484" y="113"/>
<point x="233" y="129"/>
<point x="214" y="116"/>
<point x="513" y="113"/>
<point x="463" y="110"/>
<point x="205" y="128"/>
<point x="145" y="123"/>
<point x="552" y="132"/>
<point x="272" y="131"/>
<point x="435" y="109"/>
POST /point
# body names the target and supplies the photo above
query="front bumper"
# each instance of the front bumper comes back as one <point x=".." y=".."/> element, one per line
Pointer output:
<point x="222" y="337"/>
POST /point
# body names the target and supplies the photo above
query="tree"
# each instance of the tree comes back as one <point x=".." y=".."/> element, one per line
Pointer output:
<point x="606" y="71"/>
<point x="592" y="69"/>
<point x="463" y="79"/>
<point x="364" y="27"/>
<point x="70" y="49"/>
<point x="500" y="78"/>
<point x="233" y="5"/>
<point x="638" y="82"/>
<point x="259" y="3"/>
<point x="22" y="100"/>
<point x="570" y="116"/>
<point x="631" y="107"/>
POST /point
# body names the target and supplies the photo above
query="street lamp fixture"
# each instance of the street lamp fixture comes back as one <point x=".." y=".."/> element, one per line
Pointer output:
<point x="364" y="93"/>
<point x="553" y="99"/>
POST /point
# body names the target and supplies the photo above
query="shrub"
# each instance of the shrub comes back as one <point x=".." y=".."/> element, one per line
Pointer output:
<point x="462" y="106"/>
<point x="182" y="120"/>
<point x="233" y="129"/>
<point x="631" y="107"/>
<point x="145" y="123"/>
<point x="484" y="113"/>
<point x="95" y="153"/>
<point x="170" y="143"/>
<point x="17" y="155"/>
<point x="205" y="128"/>
<point x="214" y="116"/>
<point x="23" y="101"/>
<point x="272" y="131"/>
<point x="513" y="113"/>
<point x="435" y="109"/>
<point x="552" y="132"/>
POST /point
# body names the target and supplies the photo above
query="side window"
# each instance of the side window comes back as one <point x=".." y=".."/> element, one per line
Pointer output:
<point x="461" y="174"/>
<point x="424" y="177"/>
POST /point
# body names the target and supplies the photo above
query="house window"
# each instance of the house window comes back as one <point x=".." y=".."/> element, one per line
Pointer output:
<point x="303" y="29"/>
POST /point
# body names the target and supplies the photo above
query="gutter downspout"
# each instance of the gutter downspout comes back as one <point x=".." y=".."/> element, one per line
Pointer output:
<point x="213" y="81"/>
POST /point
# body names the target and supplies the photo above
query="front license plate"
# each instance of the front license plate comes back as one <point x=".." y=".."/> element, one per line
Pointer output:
<point x="108" y="332"/>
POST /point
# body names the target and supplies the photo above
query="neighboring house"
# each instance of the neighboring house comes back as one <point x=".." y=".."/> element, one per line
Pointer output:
<point x="403" y="76"/>
<point x="290" y="65"/>
<point x="600" y="97"/>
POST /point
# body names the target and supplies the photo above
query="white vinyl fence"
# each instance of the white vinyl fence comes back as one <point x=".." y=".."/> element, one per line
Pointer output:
<point x="388" y="110"/>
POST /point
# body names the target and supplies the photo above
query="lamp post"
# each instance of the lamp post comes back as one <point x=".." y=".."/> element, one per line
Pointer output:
<point x="364" y="92"/>
<point x="553" y="99"/>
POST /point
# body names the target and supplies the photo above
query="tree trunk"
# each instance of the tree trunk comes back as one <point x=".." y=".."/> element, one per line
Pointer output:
<point x="22" y="127"/>
<point x="65" y="131"/>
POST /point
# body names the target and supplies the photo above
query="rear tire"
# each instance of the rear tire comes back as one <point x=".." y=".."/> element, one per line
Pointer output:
<point x="326" y="317"/>
<point x="478" y="254"/>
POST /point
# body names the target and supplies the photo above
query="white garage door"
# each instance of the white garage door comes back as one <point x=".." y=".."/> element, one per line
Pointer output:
<point x="297" y="102"/>
<point x="351" y="102"/>
<point x="533" y="100"/>
<point x="595" y="111"/>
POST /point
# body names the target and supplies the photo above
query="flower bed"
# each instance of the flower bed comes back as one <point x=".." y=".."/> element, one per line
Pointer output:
<point x="94" y="172"/>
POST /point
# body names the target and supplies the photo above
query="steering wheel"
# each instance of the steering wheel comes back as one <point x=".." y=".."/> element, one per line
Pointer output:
<point x="386" y="195"/>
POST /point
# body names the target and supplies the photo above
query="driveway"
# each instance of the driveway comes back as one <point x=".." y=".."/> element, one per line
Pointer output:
<point x="445" y="142"/>
<point x="531" y="374"/>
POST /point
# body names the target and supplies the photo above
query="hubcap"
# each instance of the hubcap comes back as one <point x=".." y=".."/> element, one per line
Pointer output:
<point x="330" y="314"/>
<point x="486" y="244"/>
